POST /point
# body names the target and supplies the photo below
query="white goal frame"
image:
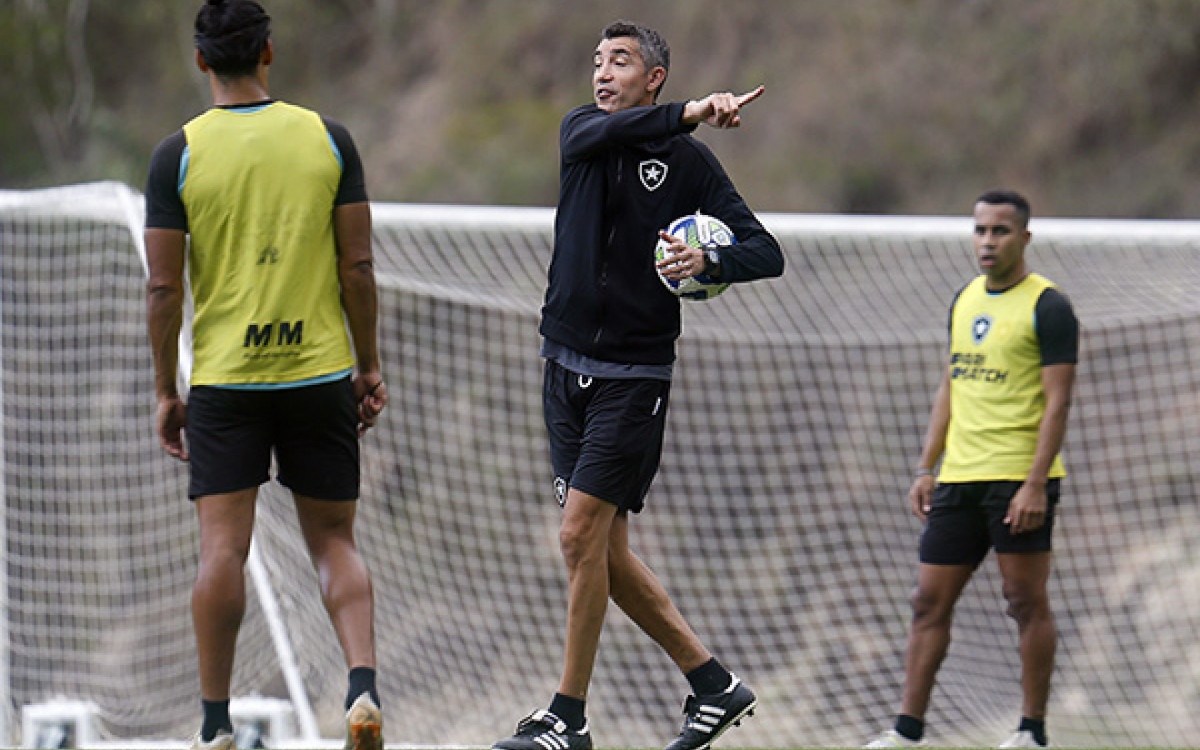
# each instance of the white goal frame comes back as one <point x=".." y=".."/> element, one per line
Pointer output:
<point x="791" y="553"/>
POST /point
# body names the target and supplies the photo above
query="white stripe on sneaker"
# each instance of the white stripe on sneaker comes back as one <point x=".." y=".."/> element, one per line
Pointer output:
<point x="707" y="718"/>
<point x="552" y="740"/>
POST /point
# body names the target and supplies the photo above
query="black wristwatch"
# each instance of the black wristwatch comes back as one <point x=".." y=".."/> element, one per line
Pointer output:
<point x="712" y="263"/>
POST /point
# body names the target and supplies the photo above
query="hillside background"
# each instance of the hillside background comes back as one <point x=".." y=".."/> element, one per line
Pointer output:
<point x="1091" y="107"/>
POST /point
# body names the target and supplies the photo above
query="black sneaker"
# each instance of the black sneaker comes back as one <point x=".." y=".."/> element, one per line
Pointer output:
<point x="542" y="730"/>
<point x="708" y="716"/>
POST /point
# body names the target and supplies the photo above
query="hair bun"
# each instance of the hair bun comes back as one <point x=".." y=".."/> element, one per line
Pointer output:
<point x="216" y="3"/>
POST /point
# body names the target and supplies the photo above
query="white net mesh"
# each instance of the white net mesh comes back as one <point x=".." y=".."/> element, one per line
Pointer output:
<point x="778" y="521"/>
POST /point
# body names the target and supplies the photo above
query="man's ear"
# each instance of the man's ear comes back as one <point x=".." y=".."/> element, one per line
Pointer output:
<point x="658" y="75"/>
<point x="203" y="66"/>
<point x="268" y="53"/>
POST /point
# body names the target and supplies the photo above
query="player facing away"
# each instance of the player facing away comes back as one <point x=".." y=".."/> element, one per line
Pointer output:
<point x="628" y="167"/>
<point x="285" y="356"/>
<point x="997" y="425"/>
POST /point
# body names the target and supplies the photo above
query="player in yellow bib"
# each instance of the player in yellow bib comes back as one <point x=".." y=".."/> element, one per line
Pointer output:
<point x="264" y="279"/>
<point x="998" y="422"/>
<point x="264" y="204"/>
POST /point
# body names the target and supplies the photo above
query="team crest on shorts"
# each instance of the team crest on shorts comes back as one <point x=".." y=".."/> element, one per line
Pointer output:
<point x="560" y="491"/>
<point x="980" y="328"/>
<point x="653" y="174"/>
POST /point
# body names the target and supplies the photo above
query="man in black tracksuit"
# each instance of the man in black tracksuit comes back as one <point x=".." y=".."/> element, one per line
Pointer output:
<point x="604" y="298"/>
<point x="629" y="168"/>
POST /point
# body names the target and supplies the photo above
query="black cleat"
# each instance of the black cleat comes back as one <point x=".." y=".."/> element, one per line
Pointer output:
<point x="708" y="716"/>
<point x="542" y="730"/>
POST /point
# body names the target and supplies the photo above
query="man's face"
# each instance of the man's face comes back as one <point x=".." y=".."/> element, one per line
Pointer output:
<point x="1000" y="240"/>
<point x="619" y="76"/>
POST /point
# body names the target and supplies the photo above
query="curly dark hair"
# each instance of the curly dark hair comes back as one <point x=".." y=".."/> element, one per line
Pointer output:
<point x="231" y="34"/>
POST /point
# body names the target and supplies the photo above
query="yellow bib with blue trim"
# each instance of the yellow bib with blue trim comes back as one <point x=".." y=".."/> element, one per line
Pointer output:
<point x="259" y="189"/>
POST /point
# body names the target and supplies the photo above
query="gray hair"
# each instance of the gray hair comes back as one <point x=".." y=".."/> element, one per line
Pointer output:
<point x="656" y="53"/>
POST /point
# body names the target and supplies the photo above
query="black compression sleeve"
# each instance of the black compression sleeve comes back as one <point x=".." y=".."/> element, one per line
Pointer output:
<point x="1057" y="328"/>
<point x="164" y="207"/>
<point x="353" y="187"/>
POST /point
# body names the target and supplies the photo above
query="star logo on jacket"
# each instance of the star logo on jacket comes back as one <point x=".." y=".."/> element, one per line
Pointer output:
<point x="980" y="328"/>
<point x="653" y="174"/>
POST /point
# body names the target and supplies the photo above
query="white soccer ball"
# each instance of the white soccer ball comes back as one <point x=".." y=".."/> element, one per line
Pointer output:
<point x="697" y="230"/>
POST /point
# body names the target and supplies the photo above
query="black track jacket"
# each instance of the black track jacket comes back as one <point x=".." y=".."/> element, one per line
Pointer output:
<point x="624" y="176"/>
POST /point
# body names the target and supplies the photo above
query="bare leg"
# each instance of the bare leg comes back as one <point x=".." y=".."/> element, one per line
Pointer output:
<point x="219" y="593"/>
<point x="938" y="589"/>
<point x="639" y="593"/>
<point x="1025" y="577"/>
<point x="346" y="591"/>
<point x="583" y="538"/>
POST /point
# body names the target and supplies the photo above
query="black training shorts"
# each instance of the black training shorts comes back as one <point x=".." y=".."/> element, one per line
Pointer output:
<point x="967" y="519"/>
<point x="312" y="429"/>
<point x="606" y="435"/>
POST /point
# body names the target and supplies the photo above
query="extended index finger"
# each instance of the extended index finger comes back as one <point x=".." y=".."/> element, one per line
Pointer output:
<point x="750" y="96"/>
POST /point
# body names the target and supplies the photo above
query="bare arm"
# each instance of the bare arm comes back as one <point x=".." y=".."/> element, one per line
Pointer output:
<point x="1027" y="511"/>
<point x="920" y="495"/>
<point x="356" y="274"/>
<point x="165" y="255"/>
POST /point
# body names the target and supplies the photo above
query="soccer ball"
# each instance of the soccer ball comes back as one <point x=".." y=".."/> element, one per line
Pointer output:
<point x="697" y="230"/>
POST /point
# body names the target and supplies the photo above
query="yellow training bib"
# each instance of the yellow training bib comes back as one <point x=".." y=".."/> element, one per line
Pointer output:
<point x="996" y="396"/>
<point x="259" y="189"/>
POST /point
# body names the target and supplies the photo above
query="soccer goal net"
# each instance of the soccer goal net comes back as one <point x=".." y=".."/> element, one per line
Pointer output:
<point x="778" y="521"/>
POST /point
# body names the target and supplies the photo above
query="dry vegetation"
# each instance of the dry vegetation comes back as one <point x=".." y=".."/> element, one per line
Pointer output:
<point x="903" y="106"/>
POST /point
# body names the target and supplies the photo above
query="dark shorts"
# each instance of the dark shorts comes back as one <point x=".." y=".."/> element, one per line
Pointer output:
<point x="606" y="435"/>
<point x="967" y="519"/>
<point x="312" y="429"/>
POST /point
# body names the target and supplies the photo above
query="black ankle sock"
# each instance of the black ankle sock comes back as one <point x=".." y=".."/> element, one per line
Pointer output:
<point x="216" y="718"/>
<point x="910" y="726"/>
<point x="1037" y="727"/>
<point x="362" y="680"/>
<point x="709" y="678"/>
<point x="570" y="710"/>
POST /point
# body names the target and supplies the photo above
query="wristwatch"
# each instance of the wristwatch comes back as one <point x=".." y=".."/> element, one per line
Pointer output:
<point x="712" y="262"/>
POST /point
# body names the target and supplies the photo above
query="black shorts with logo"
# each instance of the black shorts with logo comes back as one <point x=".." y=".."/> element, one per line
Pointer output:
<point x="606" y="434"/>
<point x="967" y="519"/>
<point x="312" y="429"/>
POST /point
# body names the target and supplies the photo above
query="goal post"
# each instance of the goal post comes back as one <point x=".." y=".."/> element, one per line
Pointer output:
<point x="778" y="521"/>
